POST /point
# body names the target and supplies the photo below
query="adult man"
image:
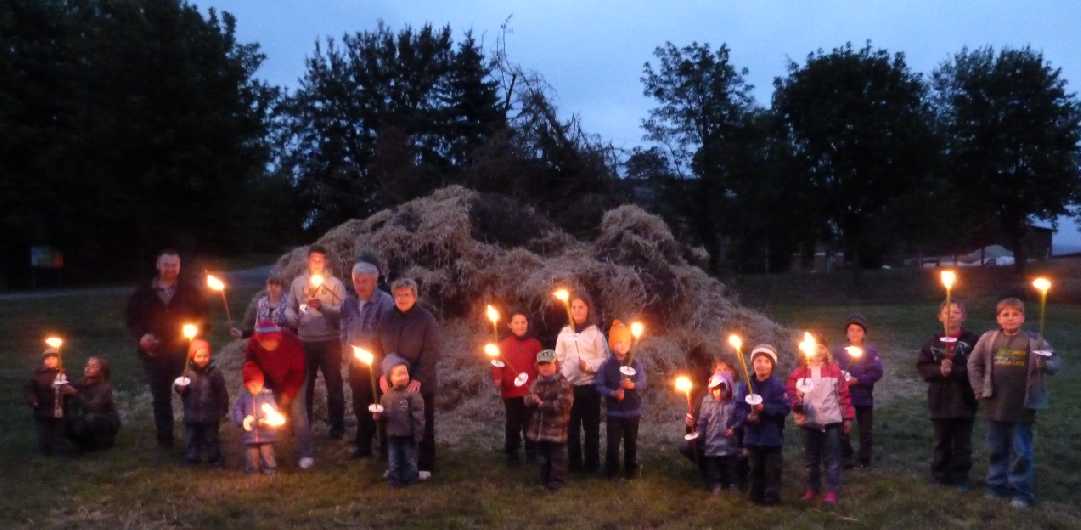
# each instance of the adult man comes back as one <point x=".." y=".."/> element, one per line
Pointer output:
<point x="361" y="315"/>
<point x="312" y="307"/>
<point x="411" y="332"/>
<point x="156" y="312"/>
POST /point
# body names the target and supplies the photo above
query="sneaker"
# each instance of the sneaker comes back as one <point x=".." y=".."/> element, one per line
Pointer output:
<point x="830" y="498"/>
<point x="808" y="495"/>
<point x="386" y="473"/>
<point x="306" y="463"/>
<point x="269" y="471"/>
<point x="424" y="475"/>
<point x="1020" y="504"/>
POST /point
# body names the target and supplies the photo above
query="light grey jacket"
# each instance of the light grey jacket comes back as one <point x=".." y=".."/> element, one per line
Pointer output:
<point x="981" y="366"/>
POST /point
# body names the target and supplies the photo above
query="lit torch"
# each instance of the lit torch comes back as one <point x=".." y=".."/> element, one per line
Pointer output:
<point x="272" y="417"/>
<point x="737" y="344"/>
<point x="189" y="331"/>
<point x="54" y="343"/>
<point x="564" y="296"/>
<point x="637" y="330"/>
<point x="949" y="279"/>
<point x="366" y="357"/>
<point x="215" y="284"/>
<point x="1043" y="285"/>
<point x="493" y="317"/>
<point x="318" y="283"/>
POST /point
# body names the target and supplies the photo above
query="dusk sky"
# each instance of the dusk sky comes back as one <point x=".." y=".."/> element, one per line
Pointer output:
<point x="592" y="52"/>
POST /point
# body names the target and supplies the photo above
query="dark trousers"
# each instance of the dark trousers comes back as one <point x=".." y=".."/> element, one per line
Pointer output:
<point x="585" y="416"/>
<point x="721" y="471"/>
<point x="553" y="464"/>
<point x="326" y="356"/>
<point x="622" y="430"/>
<point x="426" y="459"/>
<point x="202" y="438"/>
<point x="951" y="459"/>
<point x="160" y="372"/>
<point x="401" y="460"/>
<point x="517" y="422"/>
<point x="822" y="449"/>
<point x="92" y="432"/>
<point x="765" y="473"/>
<point x="361" y="383"/>
<point x="864" y="419"/>
<point x="50" y="434"/>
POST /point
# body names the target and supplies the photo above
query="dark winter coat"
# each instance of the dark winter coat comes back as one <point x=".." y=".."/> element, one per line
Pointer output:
<point x="413" y="336"/>
<point x="403" y="413"/>
<point x="769" y="431"/>
<point x="948" y="397"/>
<point x="206" y="399"/>
<point x="47" y="400"/>
<point x="248" y="405"/>
<point x="549" y="423"/>
<point x="146" y="313"/>
<point x="866" y="371"/>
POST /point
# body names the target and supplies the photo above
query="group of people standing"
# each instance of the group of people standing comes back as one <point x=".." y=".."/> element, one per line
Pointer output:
<point x="552" y="397"/>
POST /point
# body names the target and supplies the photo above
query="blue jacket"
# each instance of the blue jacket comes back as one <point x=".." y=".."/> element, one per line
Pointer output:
<point x="769" y="431"/>
<point x="609" y="379"/>
<point x="249" y="405"/>
<point x="866" y="371"/>
<point x="714" y="418"/>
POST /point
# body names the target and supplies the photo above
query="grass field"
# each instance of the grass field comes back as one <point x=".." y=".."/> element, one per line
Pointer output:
<point x="137" y="486"/>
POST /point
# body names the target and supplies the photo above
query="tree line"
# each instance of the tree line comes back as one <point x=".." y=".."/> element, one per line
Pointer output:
<point x="129" y="125"/>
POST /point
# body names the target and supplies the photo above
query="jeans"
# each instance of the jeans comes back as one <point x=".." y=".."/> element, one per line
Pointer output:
<point x="299" y="421"/>
<point x="517" y="424"/>
<point x="952" y="450"/>
<point x="326" y="356"/>
<point x="553" y="464"/>
<point x="765" y="473"/>
<point x="259" y="457"/>
<point x="585" y="416"/>
<point x="200" y="438"/>
<point x="160" y="372"/>
<point x="721" y="470"/>
<point x="822" y="448"/>
<point x="622" y="430"/>
<point x="401" y="460"/>
<point x="865" y="421"/>
<point x="50" y="434"/>
<point x="361" y="383"/>
<point x="1010" y="472"/>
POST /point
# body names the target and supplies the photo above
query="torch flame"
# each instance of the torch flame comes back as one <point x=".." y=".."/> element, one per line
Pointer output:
<point x="854" y="351"/>
<point x="562" y="295"/>
<point x="735" y="341"/>
<point x="808" y="345"/>
<point x="491" y="350"/>
<point x="273" y="417"/>
<point x="683" y="384"/>
<point x="1042" y="283"/>
<point x="189" y="330"/>
<point x="316" y="280"/>
<point x="214" y="283"/>
<point x="363" y="355"/>
<point x="637" y="329"/>
<point x="493" y="314"/>
<point x="949" y="278"/>
<point x="54" y="342"/>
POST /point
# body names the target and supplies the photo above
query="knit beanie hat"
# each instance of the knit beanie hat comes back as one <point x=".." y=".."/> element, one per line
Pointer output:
<point x="546" y="356"/>
<point x="390" y="361"/>
<point x="267" y="329"/>
<point x="858" y="320"/>
<point x="618" y="333"/>
<point x="251" y="373"/>
<point x="765" y="349"/>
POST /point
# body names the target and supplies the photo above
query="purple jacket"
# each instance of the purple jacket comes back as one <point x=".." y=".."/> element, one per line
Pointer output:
<point x="249" y="405"/>
<point x="866" y="371"/>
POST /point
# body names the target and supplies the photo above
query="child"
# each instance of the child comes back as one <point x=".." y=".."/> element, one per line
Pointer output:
<point x="716" y="435"/>
<point x="720" y="366"/>
<point x="249" y="413"/>
<point x="824" y="412"/>
<point x="553" y="397"/>
<point x="623" y="400"/>
<point x="206" y="401"/>
<point x="864" y="369"/>
<point x="952" y="406"/>
<point x="1007" y="371"/>
<point x="268" y="308"/>
<point x="580" y="350"/>
<point x="521" y="350"/>
<point x="403" y="413"/>
<point x="93" y="422"/>
<point x="45" y="393"/>
<point x="763" y="426"/>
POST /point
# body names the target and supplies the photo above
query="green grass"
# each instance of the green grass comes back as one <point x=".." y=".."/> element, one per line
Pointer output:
<point x="136" y="486"/>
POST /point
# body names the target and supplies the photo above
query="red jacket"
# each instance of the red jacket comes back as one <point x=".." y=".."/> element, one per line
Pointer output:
<point x="829" y="402"/>
<point x="522" y="354"/>
<point x="283" y="367"/>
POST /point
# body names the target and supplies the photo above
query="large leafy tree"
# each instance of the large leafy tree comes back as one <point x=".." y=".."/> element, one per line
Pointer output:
<point x="858" y="122"/>
<point x="1012" y="139"/>
<point x="129" y="126"/>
